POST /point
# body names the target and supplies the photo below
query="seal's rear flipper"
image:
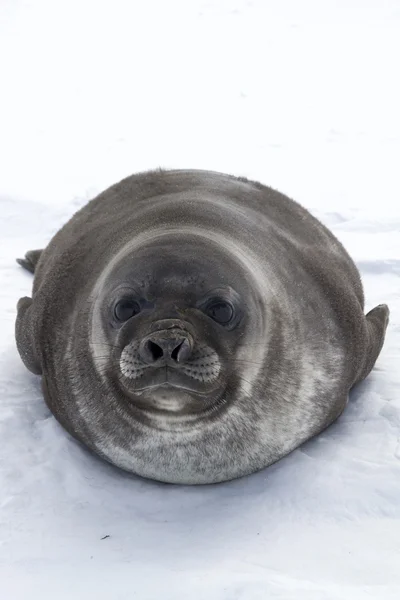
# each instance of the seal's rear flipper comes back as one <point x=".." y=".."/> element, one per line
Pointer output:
<point x="377" y="322"/>
<point x="30" y="261"/>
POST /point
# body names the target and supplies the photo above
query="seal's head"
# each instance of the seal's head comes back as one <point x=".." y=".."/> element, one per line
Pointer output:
<point x="167" y="321"/>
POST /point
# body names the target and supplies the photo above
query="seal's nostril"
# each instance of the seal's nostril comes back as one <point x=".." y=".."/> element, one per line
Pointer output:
<point x="154" y="350"/>
<point x="175" y="352"/>
<point x="182" y="351"/>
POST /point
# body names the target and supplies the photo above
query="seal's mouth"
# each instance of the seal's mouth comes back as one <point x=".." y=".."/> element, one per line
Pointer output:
<point x="164" y="397"/>
<point x="170" y="382"/>
<point x="183" y="390"/>
<point x="170" y="387"/>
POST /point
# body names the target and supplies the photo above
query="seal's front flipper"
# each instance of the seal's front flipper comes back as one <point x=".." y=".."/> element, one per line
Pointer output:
<point x="377" y="322"/>
<point x="30" y="261"/>
<point x="26" y="325"/>
<point x="25" y="335"/>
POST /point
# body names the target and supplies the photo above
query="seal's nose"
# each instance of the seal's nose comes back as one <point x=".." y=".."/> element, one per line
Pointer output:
<point x="166" y="347"/>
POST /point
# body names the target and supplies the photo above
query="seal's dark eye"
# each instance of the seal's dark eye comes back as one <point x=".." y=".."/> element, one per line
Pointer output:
<point x="126" y="309"/>
<point x="220" y="311"/>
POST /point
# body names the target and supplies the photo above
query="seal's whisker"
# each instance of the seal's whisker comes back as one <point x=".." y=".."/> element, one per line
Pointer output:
<point x="243" y="360"/>
<point x="105" y="344"/>
<point x="107" y="357"/>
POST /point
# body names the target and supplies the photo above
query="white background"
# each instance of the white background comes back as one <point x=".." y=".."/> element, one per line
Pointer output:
<point x="303" y="96"/>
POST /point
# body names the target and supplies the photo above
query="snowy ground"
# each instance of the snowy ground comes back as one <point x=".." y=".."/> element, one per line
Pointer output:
<point x="303" y="96"/>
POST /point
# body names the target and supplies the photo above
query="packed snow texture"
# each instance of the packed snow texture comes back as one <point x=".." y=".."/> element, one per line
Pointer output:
<point x="303" y="96"/>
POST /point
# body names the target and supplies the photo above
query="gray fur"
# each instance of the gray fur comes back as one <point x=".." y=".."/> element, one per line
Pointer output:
<point x="245" y="397"/>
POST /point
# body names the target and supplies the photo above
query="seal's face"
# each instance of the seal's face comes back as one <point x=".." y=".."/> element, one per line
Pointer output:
<point x="172" y="327"/>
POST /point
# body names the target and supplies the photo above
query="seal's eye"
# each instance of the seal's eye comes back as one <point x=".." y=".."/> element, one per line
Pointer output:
<point x="220" y="311"/>
<point x="126" y="309"/>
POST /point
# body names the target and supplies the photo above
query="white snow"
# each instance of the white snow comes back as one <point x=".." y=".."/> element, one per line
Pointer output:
<point x="304" y="96"/>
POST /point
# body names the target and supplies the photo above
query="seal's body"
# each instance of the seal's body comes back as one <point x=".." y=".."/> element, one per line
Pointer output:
<point x="193" y="327"/>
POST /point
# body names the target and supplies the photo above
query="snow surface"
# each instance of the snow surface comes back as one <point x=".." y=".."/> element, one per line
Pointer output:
<point x="303" y="96"/>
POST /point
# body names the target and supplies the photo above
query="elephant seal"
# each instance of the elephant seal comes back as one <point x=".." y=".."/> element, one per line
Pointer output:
<point x="194" y="327"/>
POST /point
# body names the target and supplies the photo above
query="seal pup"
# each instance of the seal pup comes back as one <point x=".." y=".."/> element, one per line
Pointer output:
<point x="193" y="327"/>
